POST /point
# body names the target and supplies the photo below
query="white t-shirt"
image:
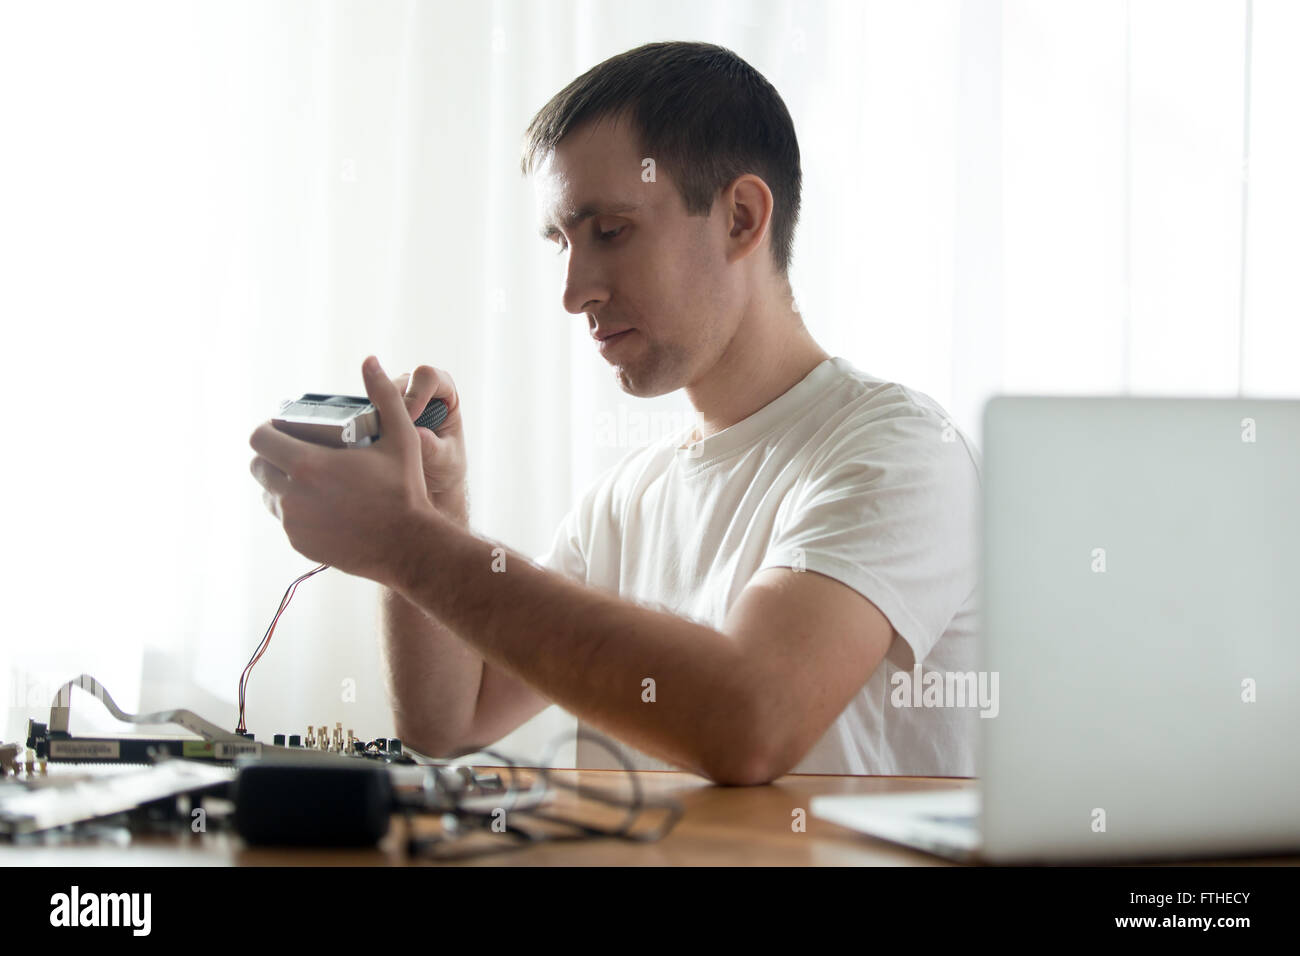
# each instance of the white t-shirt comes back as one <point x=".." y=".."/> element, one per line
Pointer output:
<point x="865" y="481"/>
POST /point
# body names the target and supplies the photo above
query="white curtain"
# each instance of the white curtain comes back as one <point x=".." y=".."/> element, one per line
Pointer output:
<point x="208" y="207"/>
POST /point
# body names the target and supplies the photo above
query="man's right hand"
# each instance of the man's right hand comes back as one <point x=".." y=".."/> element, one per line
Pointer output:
<point x="443" y="453"/>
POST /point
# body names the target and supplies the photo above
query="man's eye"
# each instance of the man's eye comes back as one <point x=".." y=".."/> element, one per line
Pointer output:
<point x="603" y="236"/>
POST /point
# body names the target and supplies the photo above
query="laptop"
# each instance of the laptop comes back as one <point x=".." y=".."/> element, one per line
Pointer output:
<point x="1141" y="606"/>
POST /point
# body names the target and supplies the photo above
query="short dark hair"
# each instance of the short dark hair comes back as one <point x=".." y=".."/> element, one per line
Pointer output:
<point x="701" y="112"/>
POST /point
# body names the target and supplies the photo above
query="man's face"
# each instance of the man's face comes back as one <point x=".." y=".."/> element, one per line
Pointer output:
<point x="634" y="260"/>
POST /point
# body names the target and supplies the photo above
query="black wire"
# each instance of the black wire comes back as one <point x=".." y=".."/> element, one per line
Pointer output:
<point x="432" y="847"/>
<point x="247" y="673"/>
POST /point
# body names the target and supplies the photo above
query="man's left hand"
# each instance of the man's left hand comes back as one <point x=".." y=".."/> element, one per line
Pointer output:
<point x="349" y="508"/>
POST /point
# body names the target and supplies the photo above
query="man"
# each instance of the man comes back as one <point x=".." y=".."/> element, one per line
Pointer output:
<point x="736" y="601"/>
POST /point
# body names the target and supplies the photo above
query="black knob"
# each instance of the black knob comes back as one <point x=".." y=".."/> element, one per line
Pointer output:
<point x="433" y="415"/>
<point x="295" y="740"/>
<point x="278" y="740"/>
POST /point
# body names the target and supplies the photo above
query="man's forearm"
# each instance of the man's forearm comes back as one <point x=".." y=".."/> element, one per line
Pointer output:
<point x="590" y="651"/>
<point x="433" y="677"/>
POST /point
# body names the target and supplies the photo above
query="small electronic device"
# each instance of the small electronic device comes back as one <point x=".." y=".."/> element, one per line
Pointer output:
<point x="343" y="421"/>
<point x="327" y="804"/>
<point x="52" y="742"/>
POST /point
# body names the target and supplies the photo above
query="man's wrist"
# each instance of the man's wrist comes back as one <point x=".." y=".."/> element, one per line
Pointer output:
<point x="413" y="549"/>
<point x="423" y="537"/>
<point x="454" y="506"/>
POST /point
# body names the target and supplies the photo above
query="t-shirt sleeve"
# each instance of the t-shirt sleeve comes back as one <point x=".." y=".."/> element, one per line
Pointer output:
<point x="889" y="507"/>
<point x="565" y="554"/>
<point x="580" y="547"/>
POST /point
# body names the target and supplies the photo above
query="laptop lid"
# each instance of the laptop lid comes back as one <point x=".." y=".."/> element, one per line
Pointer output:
<point x="1142" y="610"/>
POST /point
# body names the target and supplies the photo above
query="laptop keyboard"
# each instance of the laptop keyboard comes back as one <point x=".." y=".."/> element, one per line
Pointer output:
<point x="961" y="820"/>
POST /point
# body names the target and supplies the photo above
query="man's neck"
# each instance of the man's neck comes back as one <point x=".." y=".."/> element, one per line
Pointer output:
<point x="770" y="354"/>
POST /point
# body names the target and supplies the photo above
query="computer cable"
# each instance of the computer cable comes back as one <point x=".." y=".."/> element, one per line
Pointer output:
<point x="242" y="728"/>
<point x="459" y="822"/>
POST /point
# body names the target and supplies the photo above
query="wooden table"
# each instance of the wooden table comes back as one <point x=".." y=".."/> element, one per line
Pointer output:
<point x="721" y="826"/>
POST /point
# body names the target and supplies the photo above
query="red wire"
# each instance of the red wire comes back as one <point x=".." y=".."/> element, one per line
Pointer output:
<point x="266" y="642"/>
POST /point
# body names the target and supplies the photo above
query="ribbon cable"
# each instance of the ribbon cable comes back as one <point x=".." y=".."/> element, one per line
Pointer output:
<point x="61" y="711"/>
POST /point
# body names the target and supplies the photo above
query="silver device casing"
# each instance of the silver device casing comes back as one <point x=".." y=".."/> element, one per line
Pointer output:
<point x="340" y="421"/>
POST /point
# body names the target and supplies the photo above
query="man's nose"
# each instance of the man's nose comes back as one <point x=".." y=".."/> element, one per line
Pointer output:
<point x="584" y="288"/>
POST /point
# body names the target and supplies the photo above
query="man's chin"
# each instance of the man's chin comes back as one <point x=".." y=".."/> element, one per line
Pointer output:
<point x="651" y="372"/>
<point x="634" y="382"/>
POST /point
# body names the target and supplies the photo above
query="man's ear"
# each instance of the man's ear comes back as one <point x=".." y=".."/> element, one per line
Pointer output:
<point x="748" y="203"/>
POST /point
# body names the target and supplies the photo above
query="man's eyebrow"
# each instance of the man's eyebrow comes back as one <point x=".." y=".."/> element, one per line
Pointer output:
<point x="586" y="211"/>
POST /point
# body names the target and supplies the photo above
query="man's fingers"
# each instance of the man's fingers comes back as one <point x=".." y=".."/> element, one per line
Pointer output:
<point x="290" y="455"/>
<point x="274" y="483"/>
<point x="428" y="383"/>
<point x="268" y="476"/>
<point x="272" y="505"/>
<point x="421" y="386"/>
<point x="413" y="386"/>
<point x="393" y="415"/>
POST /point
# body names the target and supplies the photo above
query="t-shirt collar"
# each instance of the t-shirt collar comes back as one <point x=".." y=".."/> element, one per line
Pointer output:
<point x="696" y="455"/>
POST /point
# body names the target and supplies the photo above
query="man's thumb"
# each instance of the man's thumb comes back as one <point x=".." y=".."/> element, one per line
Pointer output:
<point x="428" y="440"/>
